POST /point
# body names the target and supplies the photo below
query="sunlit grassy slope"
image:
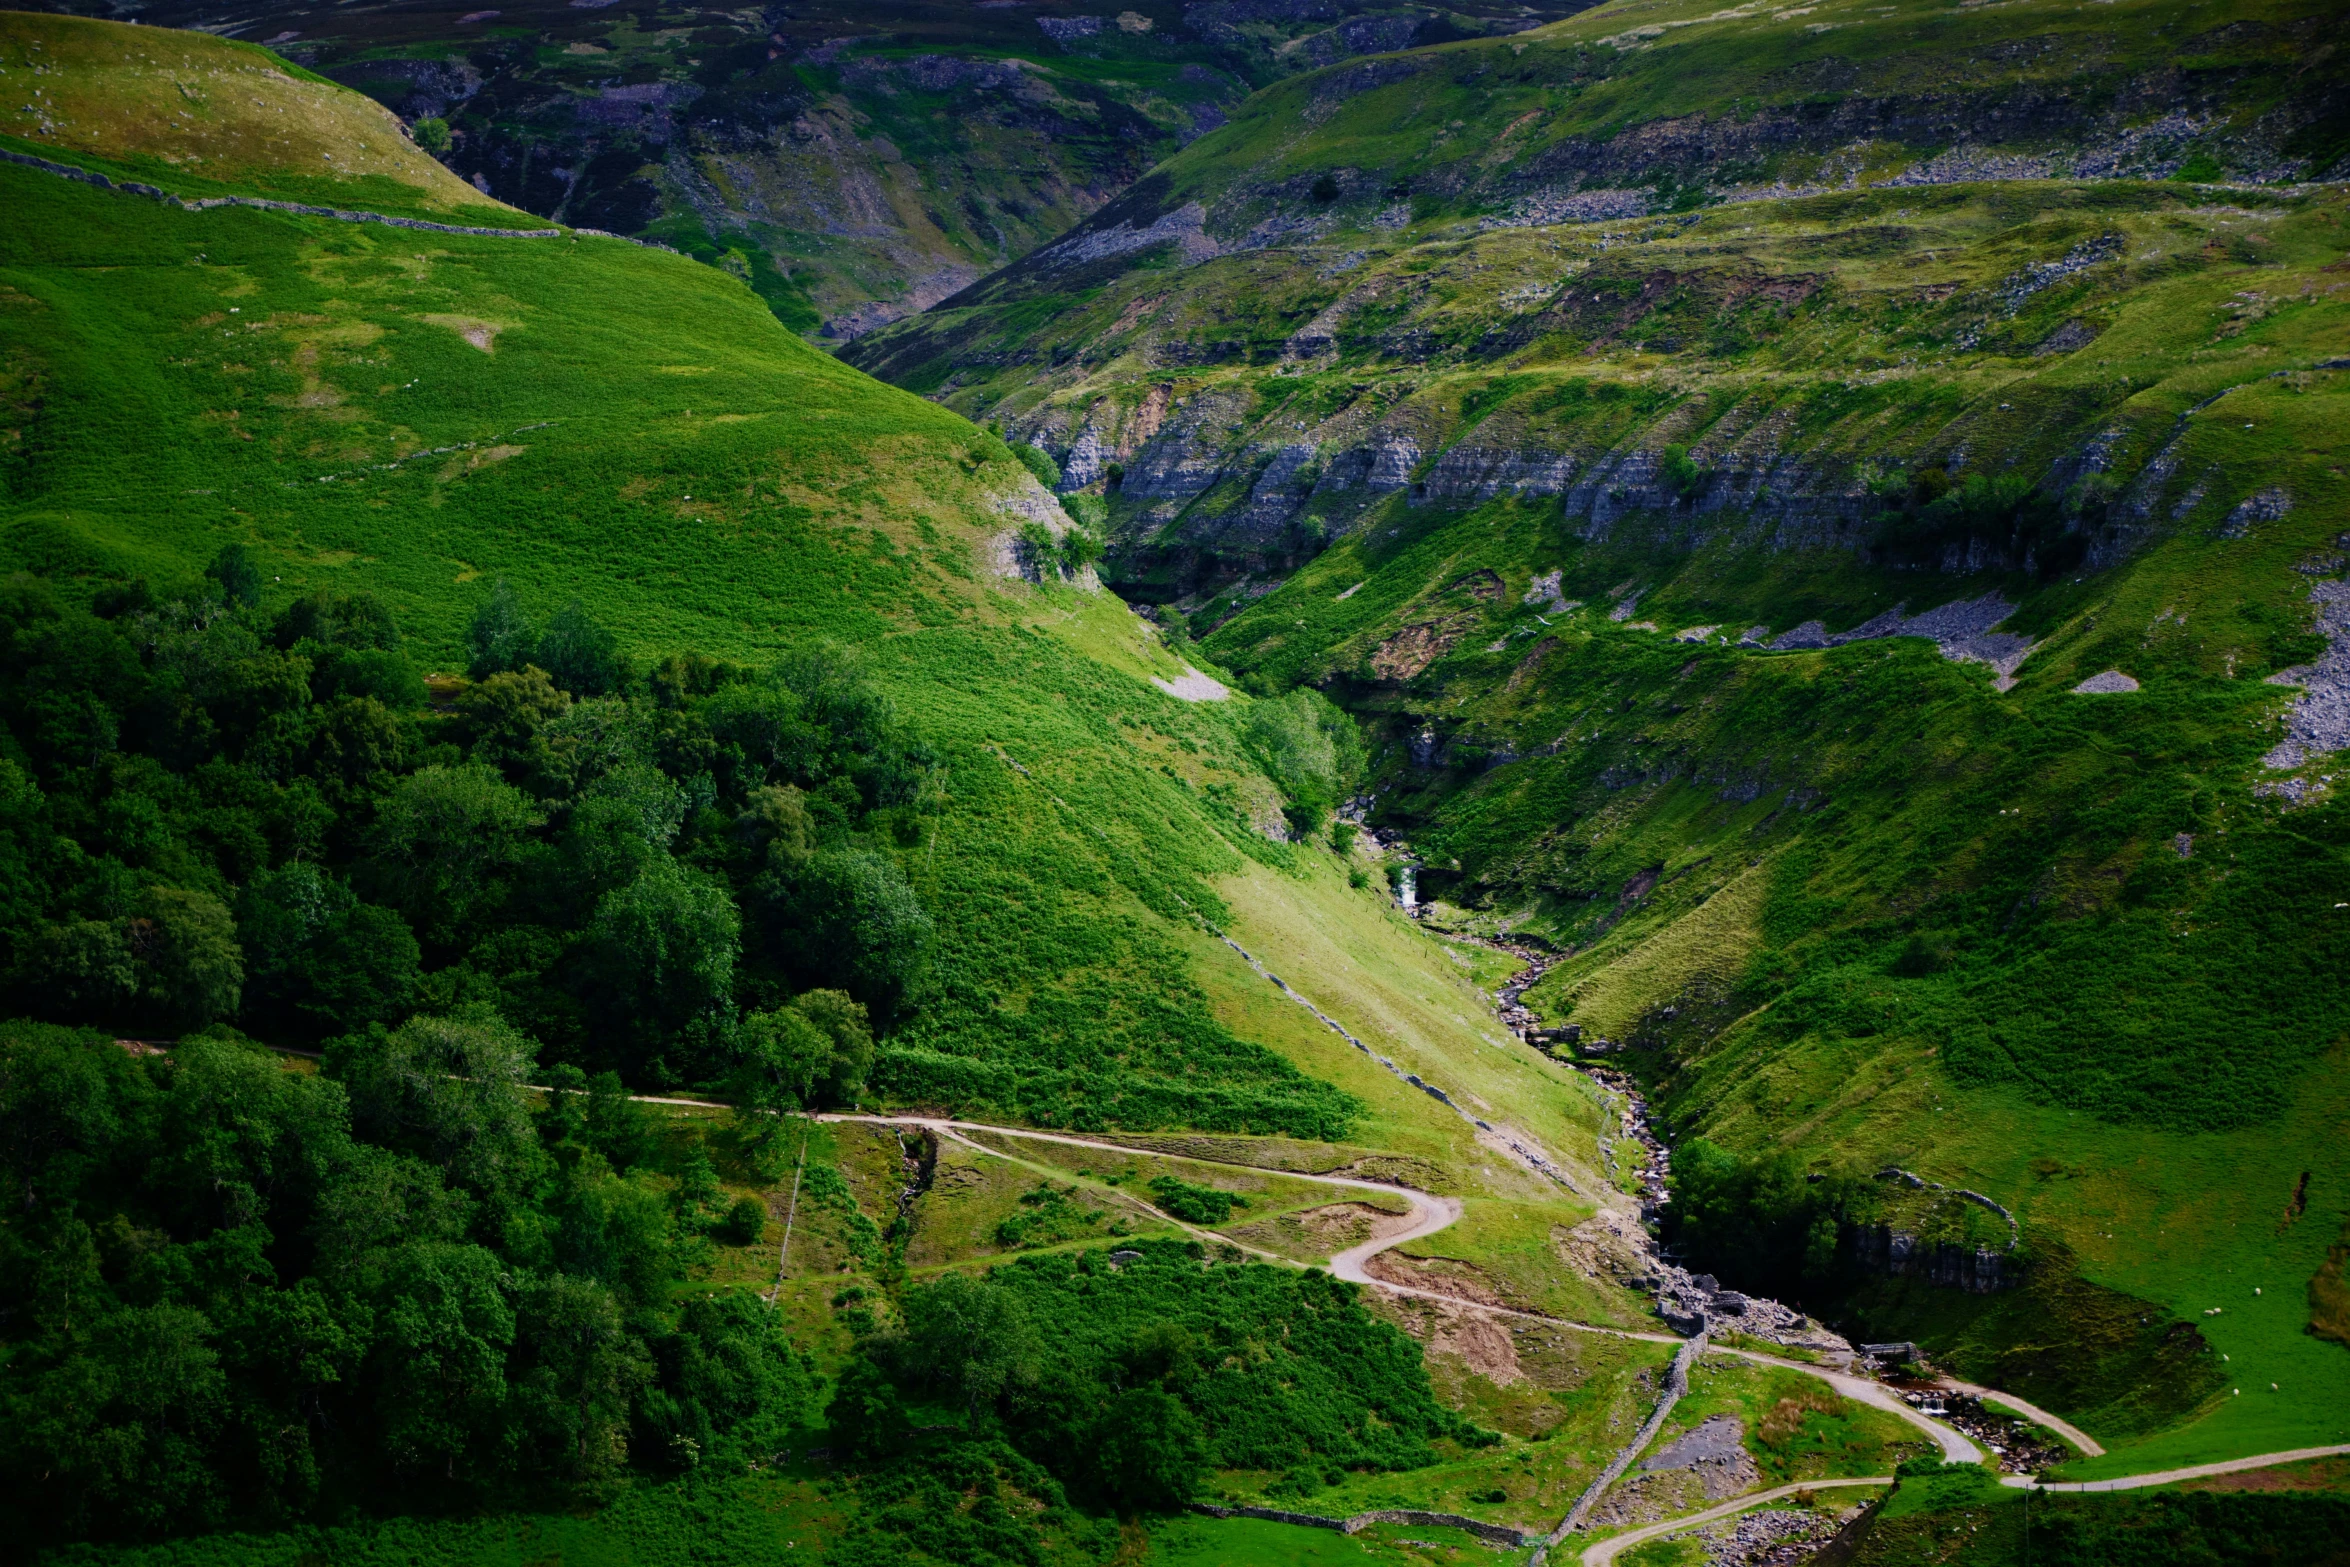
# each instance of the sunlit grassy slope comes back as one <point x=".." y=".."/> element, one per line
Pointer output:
<point x="1636" y="62"/>
<point x="592" y="419"/>
<point x="203" y="116"/>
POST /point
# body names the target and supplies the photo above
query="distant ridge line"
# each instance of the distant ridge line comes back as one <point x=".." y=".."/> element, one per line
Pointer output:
<point x="133" y="187"/>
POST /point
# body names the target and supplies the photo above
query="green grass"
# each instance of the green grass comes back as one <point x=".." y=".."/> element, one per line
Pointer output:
<point x="186" y="380"/>
<point x="1256" y="1542"/>
<point x="371" y="411"/>
<point x="745" y="1520"/>
<point x="822" y="506"/>
<point x="1961" y="1515"/>
<point x="1794" y="1427"/>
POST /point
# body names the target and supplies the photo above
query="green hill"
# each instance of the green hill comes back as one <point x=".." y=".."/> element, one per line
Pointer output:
<point x="1590" y="412"/>
<point x="205" y="116"/>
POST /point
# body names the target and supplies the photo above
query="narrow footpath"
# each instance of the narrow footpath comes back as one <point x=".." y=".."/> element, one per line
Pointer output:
<point x="1430" y="1214"/>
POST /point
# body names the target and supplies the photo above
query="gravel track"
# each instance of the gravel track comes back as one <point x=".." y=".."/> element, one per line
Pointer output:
<point x="1615" y="1545"/>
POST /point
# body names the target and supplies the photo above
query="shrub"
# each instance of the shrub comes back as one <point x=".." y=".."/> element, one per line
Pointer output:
<point x="744" y="1222"/>
<point x="1194" y="1204"/>
<point x="1040" y="462"/>
<point x="1310" y="750"/>
<point x="1679" y="474"/>
<point x="1079" y="549"/>
<point x="1041" y="551"/>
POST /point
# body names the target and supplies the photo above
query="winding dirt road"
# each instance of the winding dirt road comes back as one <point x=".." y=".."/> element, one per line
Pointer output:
<point x="1957" y="1447"/>
<point x="2173" y="1476"/>
<point x="1430" y="1214"/>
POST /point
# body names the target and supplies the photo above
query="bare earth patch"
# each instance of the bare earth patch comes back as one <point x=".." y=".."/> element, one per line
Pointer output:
<point x="1317" y="1233"/>
<point x="1414" y="648"/>
<point x="1437" y="1275"/>
<point x="481" y="334"/>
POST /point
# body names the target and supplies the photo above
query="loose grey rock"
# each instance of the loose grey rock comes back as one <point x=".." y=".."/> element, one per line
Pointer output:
<point x="2267" y="505"/>
<point x="1960" y="629"/>
<point x="2111" y="683"/>
<point x="1717" y="1439"/>
<point x="2320" y="721"/>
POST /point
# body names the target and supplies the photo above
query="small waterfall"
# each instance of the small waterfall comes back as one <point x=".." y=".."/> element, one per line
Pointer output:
<point x="1407" y="887"/>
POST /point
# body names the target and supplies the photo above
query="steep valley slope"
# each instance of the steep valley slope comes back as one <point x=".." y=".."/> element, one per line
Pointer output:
<point x="1834" y="516"/>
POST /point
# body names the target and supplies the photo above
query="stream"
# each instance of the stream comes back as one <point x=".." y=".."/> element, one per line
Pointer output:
<point x="1692" y="1304"/>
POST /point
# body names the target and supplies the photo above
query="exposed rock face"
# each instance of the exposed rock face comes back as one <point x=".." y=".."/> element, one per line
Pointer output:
<point x="2268" y="505"/>
<point x="1761" y="468"/>
<point x="1978" y="1270"/>
<point x="1185" y="229"/>
<point x="1692" y="1302"/>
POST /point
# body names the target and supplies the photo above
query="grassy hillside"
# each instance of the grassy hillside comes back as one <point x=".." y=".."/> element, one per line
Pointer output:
<point x="1571" y="413"/>
<point x="204" y="116"/>
<point x="735" y="495"/>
